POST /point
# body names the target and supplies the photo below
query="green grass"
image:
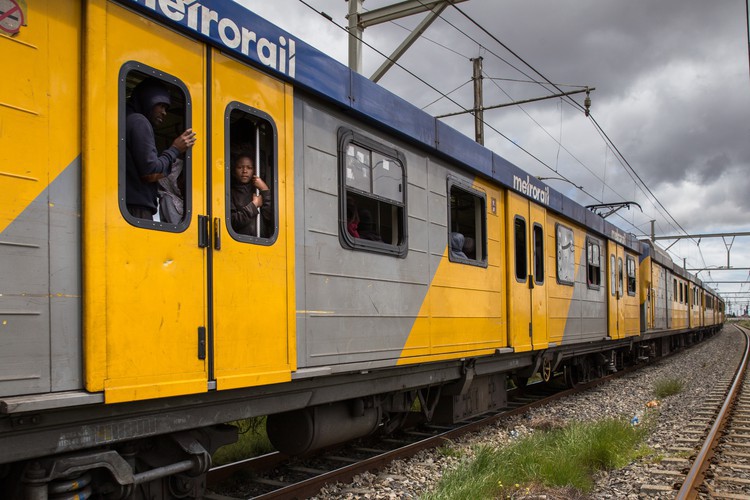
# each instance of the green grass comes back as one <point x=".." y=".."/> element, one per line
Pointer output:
<point x="252" y="442"/>
<point x="668" y="387"/>
<point x="560" y="460"/>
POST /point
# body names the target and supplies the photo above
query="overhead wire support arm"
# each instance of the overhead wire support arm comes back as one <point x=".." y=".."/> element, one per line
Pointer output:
<point x="612" y="207"/>
<point x="515" y="103"/>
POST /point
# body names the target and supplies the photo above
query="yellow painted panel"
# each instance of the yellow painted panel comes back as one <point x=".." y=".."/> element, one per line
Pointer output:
<point x="252" y="296"/>
<point x="143" y="315"/>
<point x="463" y="311"/>
<point x="559" y="296"/>
<point x="39" y="103"/>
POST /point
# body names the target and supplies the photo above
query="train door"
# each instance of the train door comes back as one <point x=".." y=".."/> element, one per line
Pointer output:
<point x="527" y="296"/>
<point x="145" y="282"/>
<point x="615" y="286"/>
<point x="179" y="299"/>
<point x="251" y="272"/>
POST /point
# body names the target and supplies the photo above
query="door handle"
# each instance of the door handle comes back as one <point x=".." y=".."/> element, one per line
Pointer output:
<point x="217" y="233"/>
<point x="203" y="229"/>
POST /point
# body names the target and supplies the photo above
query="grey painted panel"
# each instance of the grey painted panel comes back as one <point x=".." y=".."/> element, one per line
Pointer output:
<point x="65" y="279"/>
<point x="24" y="302"/>
<point x="352" y="306"/>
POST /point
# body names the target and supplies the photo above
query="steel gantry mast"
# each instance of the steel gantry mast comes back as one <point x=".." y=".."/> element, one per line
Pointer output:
<point x="359" y="20"/>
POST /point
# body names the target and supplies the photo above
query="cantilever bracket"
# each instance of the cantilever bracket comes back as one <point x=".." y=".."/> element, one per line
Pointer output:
<point x="606" y="209"/>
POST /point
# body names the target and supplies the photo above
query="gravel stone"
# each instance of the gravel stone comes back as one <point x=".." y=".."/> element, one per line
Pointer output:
<point x="701" y="368"/>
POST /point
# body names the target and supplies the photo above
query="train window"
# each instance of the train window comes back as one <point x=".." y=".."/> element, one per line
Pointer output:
<point x="619" y="277"/>
<point x="612" y="275"/>
<point x="372" y="195"/>
<point x="566" y="264"/>
<point x="154" y="164"/>
<point x="467" y="225"/>
<point x="251" y="174"/>
<point x="681" y="297"/>
<point x="630" y="263"/>
<point x="519" y="229"/>
<point x="538" y="254"/>
<point x="676" y="295"/>
<point x="594" y="265"/>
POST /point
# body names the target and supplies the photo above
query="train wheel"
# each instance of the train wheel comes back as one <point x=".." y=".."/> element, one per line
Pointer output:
<point x="546" y="370"/>
<point x="571" y="375"/>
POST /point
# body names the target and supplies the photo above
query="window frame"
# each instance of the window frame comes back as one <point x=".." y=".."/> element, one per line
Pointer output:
<point x="560" y="280"/>
<point x="525" y="253"/>
<point x="173" y="81"/>
<point x="613" y="274"/>
<point x="591" y="243"/>
<point x="274" y="186"/>
<point x="630" y="266"/>
<point x="347" y="136"/>
<point x="481" y="242"/>
<point x="538" y="255"/>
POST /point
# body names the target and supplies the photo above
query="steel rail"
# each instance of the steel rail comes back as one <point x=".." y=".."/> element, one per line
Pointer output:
<point x="695" y="478"/>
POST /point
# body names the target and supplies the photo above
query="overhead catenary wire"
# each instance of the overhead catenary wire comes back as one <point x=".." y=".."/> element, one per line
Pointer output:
<point x="546" y="82"/>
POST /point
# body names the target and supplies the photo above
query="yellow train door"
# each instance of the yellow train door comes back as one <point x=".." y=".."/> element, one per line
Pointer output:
<point x="145" y="278"/>
<point x="252" y="275"/>
<point x="527" y="274"/>
<point x="616" y="291"/>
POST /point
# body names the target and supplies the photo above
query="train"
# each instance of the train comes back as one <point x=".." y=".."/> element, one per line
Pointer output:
<point x="398" y="265"/>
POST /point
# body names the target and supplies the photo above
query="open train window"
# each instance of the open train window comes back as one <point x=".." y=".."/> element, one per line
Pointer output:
<point x="372" y="189"/>
<point x="154" y="176"/>
<point x="619" y="277"/>
<point x="467" y="225"/>
<point x="538" y="254"/>
<point x="594" y="265"/>
<point x="519" y="238"/>
<point x="630" y="263"/>
<point x="566" y="263"/>
<point x="251" y="175"/>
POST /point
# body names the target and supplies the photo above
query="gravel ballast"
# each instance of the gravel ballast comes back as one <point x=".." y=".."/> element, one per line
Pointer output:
<point x="700" y="368"/>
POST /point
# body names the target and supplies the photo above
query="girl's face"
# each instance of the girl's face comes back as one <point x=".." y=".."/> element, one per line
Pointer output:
<point x="243" y="170"/>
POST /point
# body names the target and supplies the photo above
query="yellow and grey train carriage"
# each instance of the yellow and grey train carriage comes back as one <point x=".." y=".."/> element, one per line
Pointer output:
<point x="396" y="261"/>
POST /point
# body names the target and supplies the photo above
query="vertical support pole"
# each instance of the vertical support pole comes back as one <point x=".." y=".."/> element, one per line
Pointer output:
<point x="653" y="231"/>
<point x="355" y="36"/>
<point x="478" y="112"/>
<point x="257" y="172"/>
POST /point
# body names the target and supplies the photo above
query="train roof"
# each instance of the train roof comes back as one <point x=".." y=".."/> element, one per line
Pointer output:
<point x="249" y="37"/>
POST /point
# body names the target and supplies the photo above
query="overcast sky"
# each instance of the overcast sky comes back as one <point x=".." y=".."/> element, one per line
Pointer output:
<point x="672" y="92"/>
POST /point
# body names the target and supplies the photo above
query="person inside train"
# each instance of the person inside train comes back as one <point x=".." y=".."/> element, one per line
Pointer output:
<point x="171" y="199"/>
<point x="457" y="245"/>
<point x="367" y="229"/>
<point x="469" y="248"/>
<point x="144" y="165"/>
<point x="352" y="217"/>
<point x="251" y="197"/>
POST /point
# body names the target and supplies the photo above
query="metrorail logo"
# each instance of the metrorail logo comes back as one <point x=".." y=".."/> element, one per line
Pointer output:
<point x="529" y="189"/>
<point x="191" y="13"/>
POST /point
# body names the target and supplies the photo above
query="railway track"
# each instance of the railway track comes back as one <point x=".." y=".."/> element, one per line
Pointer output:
<point x="277" y="476"/>
<point x="711" y="459"/>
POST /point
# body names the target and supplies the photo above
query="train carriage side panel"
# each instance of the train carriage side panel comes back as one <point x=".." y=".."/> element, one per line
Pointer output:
<point x="40" y="140"/>
<point x="646" y="292"/>
<point x="577" y="308"/>
<point x="371" y="302"/>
